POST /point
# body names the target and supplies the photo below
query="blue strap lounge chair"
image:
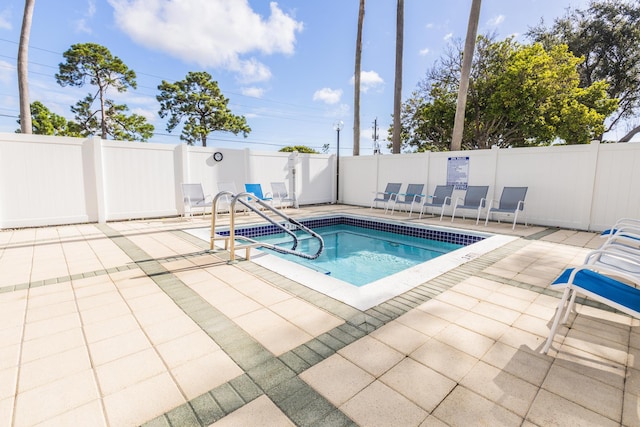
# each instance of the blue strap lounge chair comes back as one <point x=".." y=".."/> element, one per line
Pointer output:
<point x="619" y="257"/>
<point x="511" y="203"/>
<point x="440" y="198"/>
<point x="389" y="193"/>
<point x="628" y="228"/>
<point x="599" y="283"/>
<point x="474" y="199"/>
<point x="256" y="190"/>
<point x="194" y="197"/>
<point x="412" y="197"/>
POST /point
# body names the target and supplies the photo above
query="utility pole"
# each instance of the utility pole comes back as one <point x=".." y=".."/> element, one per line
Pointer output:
<point x="376" y="146"/>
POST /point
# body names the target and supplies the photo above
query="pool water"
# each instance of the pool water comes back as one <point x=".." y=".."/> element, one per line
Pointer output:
<point x="360" y="255"/>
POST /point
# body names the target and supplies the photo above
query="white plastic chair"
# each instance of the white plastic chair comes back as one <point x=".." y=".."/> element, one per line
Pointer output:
<point x="194" y="198"/>
<point x="281" y="195"/>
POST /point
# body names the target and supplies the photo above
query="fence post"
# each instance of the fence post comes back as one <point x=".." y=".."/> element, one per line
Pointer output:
<point x="98" y="178"/>
<point x="595" y="152"/>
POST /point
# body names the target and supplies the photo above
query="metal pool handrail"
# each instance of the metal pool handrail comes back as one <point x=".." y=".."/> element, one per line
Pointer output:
<point x="230" y="241"/>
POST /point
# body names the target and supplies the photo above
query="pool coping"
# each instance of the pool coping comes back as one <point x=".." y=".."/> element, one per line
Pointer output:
<point x="379" y="291"/>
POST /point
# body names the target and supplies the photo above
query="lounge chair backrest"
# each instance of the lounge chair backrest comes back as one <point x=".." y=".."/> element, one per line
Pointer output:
<point x="255" y="189"/>
<point x="413" y="190"/>
<point x="443" y="193"/>
<point x="279" y="190"/>
<point x="227" y="186"/>
<point x="475" y="195"/>
<point x="193" y="193"/>
<point x="511" y="196"/>
<point x="392" y="188"/>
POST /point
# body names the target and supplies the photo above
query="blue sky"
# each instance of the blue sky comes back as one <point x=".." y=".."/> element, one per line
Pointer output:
<point x="287" y="66"/>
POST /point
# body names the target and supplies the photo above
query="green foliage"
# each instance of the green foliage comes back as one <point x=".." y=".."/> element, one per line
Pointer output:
<point x="93" y="64"/>
<point x="45" y="122"/>
<point x="299" y="149"/>
<point x="120" y="126"/>
<point x="607" y="36"/>
<point x="519" y="95"/>
<point x="199" y="102"/>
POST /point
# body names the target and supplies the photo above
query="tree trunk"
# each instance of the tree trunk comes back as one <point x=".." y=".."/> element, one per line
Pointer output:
<point x="467" y="60"/>
<point x="397" y="93"/>
<point x="23" y="73"/>
<point x="356" y="83"/>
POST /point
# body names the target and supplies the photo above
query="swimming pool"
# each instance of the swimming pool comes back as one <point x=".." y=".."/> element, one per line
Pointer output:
<point x="359" y="255"/>
<point x="472" y="244"/>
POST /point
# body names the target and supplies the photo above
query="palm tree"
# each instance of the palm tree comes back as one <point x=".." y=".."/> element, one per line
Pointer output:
<point x="397" y="93"/>
<point x="356" y="84"/>
<point x="467" y="59"/>
<point x="23" y="78"/>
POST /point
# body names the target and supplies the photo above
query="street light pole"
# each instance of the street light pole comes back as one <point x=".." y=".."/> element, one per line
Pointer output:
<point x="338" y="127"/>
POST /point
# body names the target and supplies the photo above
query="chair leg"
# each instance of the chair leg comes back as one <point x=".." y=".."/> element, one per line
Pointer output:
<point x="572" y="301"/>
<point x="556" y="321"/>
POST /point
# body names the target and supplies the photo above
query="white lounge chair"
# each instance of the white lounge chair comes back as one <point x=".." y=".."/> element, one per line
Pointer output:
<point x="607" y="285"/>
<point x="281" y="195"/>
<point x="194" y="198"/>
<point x="224" y="201"/>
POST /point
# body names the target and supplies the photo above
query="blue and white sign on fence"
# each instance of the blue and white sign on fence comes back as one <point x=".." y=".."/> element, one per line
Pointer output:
<point x="458" y="172"/>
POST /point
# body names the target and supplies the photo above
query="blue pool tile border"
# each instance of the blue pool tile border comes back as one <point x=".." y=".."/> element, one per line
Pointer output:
<point x="407" y="230"/>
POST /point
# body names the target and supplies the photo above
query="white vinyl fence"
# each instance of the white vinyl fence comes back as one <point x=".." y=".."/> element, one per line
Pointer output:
<point x="48" y="180"/>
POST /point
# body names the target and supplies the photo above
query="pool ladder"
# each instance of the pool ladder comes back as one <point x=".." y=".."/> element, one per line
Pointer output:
<point x="288" y="227"/>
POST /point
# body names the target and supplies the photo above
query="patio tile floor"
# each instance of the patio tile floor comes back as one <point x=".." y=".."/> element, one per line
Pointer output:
<point x="136" y="323"/>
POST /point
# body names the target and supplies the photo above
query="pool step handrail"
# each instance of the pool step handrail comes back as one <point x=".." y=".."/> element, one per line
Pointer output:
<point x="227" y="239"/>
<point x="287" y="227"/>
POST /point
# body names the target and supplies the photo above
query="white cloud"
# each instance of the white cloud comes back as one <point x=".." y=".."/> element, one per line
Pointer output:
<point x="424" y="52"/>
<point x="368" y="80"/>
<point x="496" y="20"/>
<point x="5" y="23"/>
<point x="82" y="25"/>
<point x="150" y="115"/>
<point x="254" y="92"/>
<point x="211" y="33"/>
<point x="327" y="95"/>
<point x="448" y="36"/>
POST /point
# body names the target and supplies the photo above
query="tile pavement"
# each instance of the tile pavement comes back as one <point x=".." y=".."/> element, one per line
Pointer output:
<point x="135" y="323"/>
